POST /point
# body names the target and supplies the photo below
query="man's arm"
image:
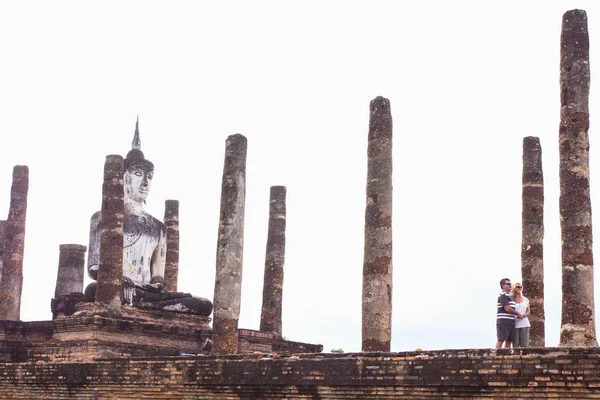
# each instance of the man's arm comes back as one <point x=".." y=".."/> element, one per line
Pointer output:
<point x="507" y="308"/>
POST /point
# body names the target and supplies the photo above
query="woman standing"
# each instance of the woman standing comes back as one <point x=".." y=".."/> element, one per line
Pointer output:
<point x="521" y="325"/>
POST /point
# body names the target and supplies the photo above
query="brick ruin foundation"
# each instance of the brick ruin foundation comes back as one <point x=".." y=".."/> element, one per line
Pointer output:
<point x="106" y="348"/>
<point x="135" y="334"/>
<point x="474" y="374"/>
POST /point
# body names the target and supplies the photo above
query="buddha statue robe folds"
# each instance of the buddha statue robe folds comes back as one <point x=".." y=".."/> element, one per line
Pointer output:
<point x="144" y="246"/>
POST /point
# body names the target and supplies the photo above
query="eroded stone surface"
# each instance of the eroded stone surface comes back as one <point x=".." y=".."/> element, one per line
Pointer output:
<point x="69" y="280"/>
<point x="109" y="293"/>
<point x="578" y="321"/>
<point x="11" y="282"/>
<point x="2" y="237"/>
<point x="230" y="248"/>
<point x="377" y="265"/>
<point x="270" y="318"/>
<point x="532" y="238"/>
<point x="171" y="221"/>
<point x="445" y="374"/>
<point x="71" y="264"/>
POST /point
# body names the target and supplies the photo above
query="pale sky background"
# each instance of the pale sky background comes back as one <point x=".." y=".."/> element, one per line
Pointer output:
<point x="466" y="80"/>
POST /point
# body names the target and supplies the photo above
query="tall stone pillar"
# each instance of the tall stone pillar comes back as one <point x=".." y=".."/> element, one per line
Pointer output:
<point x="109" y="293"/>
<point x="171" y="221"/>
<point x="71" y="264"/>
<point x="532" y="238"/>
<point x="230" y="247"/>
<point x="11" y="283"/>
<point x="377" y="264"/>
<point x="2" y="237"/>
<point x="578" y="320"/>
<point x="270" y="317"/>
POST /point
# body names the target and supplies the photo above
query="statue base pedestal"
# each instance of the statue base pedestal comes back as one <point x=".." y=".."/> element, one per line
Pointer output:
<point x="84" y="337"/>
<point x="85" y="309"/>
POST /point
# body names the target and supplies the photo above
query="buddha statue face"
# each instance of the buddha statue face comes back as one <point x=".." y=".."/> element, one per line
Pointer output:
<point x="138" y="179"/>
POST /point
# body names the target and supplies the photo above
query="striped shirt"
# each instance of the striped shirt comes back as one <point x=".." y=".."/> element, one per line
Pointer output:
<point x="502" y="316"/>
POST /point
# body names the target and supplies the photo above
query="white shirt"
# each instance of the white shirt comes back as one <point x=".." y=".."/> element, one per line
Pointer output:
<point x="521" y="308"/>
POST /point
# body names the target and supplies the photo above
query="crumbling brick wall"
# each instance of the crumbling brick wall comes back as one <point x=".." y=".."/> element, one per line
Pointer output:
<point x="479" y="374"/>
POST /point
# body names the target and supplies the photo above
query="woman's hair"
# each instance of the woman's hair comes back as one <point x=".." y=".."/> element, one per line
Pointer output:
<point x="513" y="291"/>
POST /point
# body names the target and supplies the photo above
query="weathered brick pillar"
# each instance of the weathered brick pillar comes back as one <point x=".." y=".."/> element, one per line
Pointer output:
<point x="270" y="317"/>
<point x="230" y="247"/>
<point x="377" y="264"/>
<point x="71" y="264"/>
<point x="578" y="320"/>
<point x="171" y="221"/>
<point x="109" y="293"/>
<point x="532" y="238"/>
<point x="2" y="237"/>
<point x="11" y="283"/>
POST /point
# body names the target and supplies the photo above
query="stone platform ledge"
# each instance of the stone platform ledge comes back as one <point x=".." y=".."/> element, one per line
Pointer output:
<point x="471" y="373"/>
<point x="86" y="338"/>
<point x="83" y="338"/>
<point x="251" y="341"/>
<point x="86" y="309"/>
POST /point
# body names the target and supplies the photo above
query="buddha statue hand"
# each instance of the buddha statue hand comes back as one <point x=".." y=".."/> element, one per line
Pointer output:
<point x="156" y="285"/>
<point x="134" y="291"/>
<point x="128" y="290"/>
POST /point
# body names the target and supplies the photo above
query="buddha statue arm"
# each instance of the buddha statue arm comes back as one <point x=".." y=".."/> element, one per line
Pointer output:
<point x="94" y="248"/>
<point x="159" y="259"/>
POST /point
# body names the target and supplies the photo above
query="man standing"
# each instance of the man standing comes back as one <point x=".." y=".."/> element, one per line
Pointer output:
<point x="505" y="317"/>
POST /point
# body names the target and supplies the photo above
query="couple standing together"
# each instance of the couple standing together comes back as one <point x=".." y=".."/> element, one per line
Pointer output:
<point x="512" y="324"/>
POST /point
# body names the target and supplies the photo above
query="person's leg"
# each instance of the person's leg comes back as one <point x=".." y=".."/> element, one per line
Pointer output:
<point x="511" y="336"/>
<point x="524" y="337"/>
<point x="499" y="336"/>
<point x="517" y="342"/>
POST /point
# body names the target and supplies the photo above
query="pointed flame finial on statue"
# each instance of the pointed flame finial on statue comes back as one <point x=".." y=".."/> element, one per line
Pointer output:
<point x="135" y="155"/>
<point x="137" y="143"/>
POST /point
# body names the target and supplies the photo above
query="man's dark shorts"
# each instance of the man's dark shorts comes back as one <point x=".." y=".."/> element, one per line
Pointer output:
<point x="505" y="332"/>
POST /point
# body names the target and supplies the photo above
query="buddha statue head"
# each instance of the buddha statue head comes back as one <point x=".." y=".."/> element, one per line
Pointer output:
<point x="138" y="171"/>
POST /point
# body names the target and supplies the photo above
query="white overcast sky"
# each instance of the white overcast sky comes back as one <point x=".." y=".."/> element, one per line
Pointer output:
<point x="466" y="80"/>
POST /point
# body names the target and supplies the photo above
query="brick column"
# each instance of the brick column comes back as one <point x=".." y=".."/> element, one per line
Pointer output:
<point x="578" y="320"/>
<point x="71" y="264"/>
<point x="11" y="283"/>
<point x="171" y="221"/>
<point x="270" y="317"/>
<point x="377" y="264"/>
<point x="532" y="238"/>
<point x="109" y="293"/>
<point x="230" y="246"/>
<point x="2" y="238"/>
